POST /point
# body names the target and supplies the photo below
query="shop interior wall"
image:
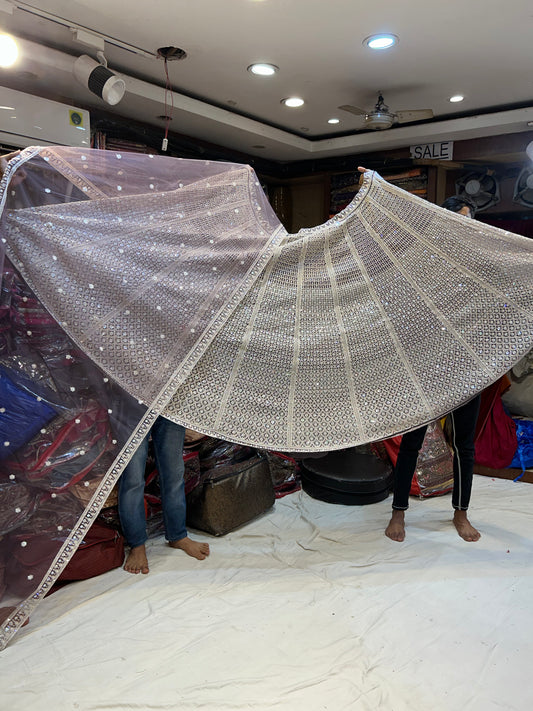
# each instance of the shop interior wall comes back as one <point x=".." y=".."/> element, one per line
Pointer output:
<point x="301" y="192"/>
<point x="307" y="187"/>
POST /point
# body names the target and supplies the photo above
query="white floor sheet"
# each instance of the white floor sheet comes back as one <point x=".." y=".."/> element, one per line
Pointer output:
<point x="308" y="608"/>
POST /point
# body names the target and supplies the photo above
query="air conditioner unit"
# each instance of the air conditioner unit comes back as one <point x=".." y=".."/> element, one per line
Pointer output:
<point x="27" y="120"/>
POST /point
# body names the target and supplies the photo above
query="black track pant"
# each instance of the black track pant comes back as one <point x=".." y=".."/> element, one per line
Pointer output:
<point x="463" y="427"/>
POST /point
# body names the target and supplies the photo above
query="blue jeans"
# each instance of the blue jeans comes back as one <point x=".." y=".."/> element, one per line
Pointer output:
<point x="168" y="440"/>
<point x="463" y="421"/>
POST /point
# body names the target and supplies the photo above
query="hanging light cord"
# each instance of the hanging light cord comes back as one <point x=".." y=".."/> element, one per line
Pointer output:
<point x="168" y="111"/>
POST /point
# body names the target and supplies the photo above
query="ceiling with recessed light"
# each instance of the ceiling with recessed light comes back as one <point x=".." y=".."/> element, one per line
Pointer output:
<point x="320" y="52"/>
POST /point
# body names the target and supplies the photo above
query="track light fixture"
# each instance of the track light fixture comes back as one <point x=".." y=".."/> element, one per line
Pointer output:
<point x="99" y="79"/>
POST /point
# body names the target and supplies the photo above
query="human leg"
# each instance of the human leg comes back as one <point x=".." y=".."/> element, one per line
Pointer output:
<point x="463" y="426"/>
<point x="131" y="510"/>
<point x="403" y="476"/>
<point x="168" y="440"/>
<point x="405" y="467"/>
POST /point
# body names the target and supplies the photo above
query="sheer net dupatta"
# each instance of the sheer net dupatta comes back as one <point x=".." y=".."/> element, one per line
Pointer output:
<point x="119" y="271"/>
<point x="64" y="424"/>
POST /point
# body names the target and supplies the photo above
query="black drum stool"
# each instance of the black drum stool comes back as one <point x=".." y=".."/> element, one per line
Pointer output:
<point x="347" y="477"/>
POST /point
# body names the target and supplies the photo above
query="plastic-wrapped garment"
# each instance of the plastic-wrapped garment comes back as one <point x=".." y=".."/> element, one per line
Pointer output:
<point x="73" y="430"/>
<point x="23" y="413"/>
<point x="84" y="491"/>
<point x="434" y="468"/>
<point x="523" y="457"/>
<point x="5" y="309"/>
<point x="518" y="399"/>
<point x="65" y="451"/>
<point x="214" y="454"/>
<point x="192" y="474"/>
<point x="434" y="471"/>
<point x="285" y="473"/>
<point x="17" y="504"/>
<point x="186" y="297"/>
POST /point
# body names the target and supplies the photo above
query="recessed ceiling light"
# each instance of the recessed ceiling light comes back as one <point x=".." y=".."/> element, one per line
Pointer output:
<point x="334" y="120"/>
<point x="293" y="102"/>
<point x="263" y="70"/>
<point x="456" y="98"/>
<point x="8" y="51"/>
<point x="382" y="41"/>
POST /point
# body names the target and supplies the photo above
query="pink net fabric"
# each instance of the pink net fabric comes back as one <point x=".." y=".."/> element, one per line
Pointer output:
<point x="137" y="285"/>
<point x="119" y="271"/>
<point x="139" y="258"/>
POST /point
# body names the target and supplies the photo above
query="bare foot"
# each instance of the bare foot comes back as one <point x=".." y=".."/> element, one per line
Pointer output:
<point x="137" y="562"/>
<point x="396" y="528"/>
<point x="193" y="548"/>
<point x="464" y="527"/>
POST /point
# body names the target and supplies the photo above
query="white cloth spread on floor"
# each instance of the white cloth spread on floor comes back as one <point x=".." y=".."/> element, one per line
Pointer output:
<point x="309" y="608"/>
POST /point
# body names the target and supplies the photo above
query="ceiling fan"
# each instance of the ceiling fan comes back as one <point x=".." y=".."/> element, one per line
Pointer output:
<point x="380" y="118"/>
